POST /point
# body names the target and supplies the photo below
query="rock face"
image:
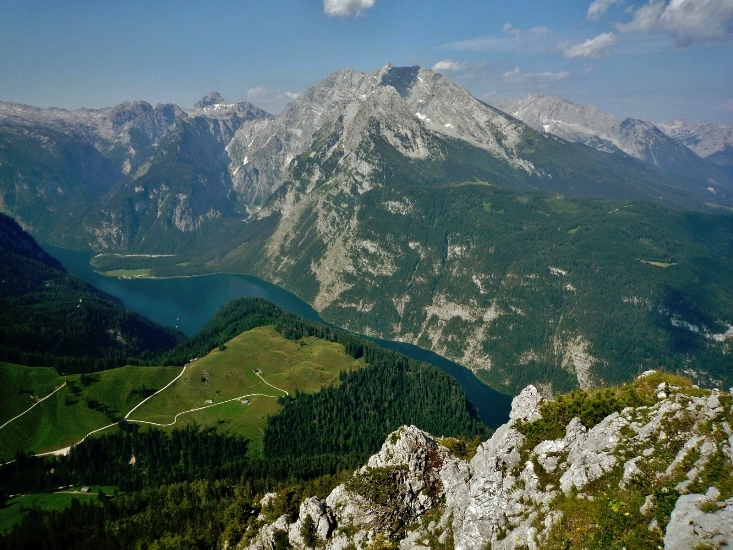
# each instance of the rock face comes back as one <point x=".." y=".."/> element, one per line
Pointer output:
<point x="408" y="100"/>
<point x="646" y="475"/>
<point x="120" y="177"/>
<point x="704" y="139"/>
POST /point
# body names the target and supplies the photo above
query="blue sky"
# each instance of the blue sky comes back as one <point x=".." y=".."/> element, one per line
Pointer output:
<point x="652" y="59"/>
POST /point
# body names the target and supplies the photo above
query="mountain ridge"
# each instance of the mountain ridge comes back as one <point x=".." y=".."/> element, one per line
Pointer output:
<point x="637" y="138"/>
<point x="400" y="206"/>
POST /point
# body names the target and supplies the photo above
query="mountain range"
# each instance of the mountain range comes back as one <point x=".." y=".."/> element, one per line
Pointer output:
<point x="566" y="249"/>
<point x="713" y="142"/>
<point x="664" y="148"/>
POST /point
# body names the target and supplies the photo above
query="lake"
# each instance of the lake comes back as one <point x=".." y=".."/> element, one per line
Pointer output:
<point x="189" y="302"/>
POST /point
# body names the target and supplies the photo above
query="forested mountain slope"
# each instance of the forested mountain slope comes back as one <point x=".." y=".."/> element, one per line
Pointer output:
<point x="520" y="286"/>
<point x="49" y="317"/>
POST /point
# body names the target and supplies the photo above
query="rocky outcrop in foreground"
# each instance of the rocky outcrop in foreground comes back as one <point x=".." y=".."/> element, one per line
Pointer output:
<point x="657" y="473"/>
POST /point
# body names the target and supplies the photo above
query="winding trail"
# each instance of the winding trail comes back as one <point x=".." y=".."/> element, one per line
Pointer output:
<point x="266" y="382"/>
<point x="66" y="450"/>
<point x="156" y="393"/>
<point x="36" y="403"/>
<point x="202" y="408"/>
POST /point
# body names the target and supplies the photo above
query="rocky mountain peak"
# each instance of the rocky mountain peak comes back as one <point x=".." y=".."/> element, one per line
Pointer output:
<point x="212" y="98"/>
<point x="639" y="139"/>
<point x="423" y="98"/>
<point x="704" y="139"/>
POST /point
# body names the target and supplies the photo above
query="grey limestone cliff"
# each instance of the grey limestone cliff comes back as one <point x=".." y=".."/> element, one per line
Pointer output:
<point x="645" y="476"/>
<point x="261" y="151"/>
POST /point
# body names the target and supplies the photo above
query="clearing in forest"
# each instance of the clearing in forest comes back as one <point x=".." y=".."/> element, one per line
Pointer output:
<point x="236" y="388"/>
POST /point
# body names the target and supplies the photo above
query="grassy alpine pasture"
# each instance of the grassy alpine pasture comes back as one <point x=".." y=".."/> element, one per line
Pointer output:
<point x="214" y="384"/>
<point x="22" y="386"/>
<point x="86" y="403"/>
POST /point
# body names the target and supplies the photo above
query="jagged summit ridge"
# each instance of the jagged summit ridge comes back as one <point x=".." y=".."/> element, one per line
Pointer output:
<point x="581" y="123"/>
<point x="262" y="152"/>
<point x="704" y="139"/>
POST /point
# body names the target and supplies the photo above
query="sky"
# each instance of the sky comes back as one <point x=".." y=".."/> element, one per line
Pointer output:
<point x="648" y="59"/>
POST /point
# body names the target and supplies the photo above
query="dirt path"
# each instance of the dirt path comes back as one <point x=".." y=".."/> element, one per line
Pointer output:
<point x="175" y="419"/>
<point x="36" y="403"/>
<point x="65" y="450"/>
<point x="266" y="382"/>
<point x="160" y="390"/>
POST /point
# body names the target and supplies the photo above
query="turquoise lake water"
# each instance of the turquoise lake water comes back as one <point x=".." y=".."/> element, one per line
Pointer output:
<point x="189" y="302"/>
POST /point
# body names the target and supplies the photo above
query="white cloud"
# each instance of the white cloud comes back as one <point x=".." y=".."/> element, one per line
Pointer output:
<point x="536" y="39"/>
<point x="593" y="47"/>
<point x="517" y="76"/>
<point x="448" y="65"/>
<point x="272" y="101"/>
<point x="346" y="8"/>
<point x="256" y="93"/>
<point x="600" y="7"/>
<point x="688" y="21"/>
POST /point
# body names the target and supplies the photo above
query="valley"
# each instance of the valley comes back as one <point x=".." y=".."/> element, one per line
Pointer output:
<point x="461" y="230"/>
<point x="232" y="313"/>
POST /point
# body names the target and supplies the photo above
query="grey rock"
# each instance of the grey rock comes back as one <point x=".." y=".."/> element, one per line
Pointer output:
<point x="497" y="498"/>
<point x="526" y="406"/>
<point x="265" y="539"/>
<point x="631" y="470"/>
<point x="704" y="139"/>
<point x="591" y="456"/>
<point x="322" y="516"/>
<point x="689" y="526"/>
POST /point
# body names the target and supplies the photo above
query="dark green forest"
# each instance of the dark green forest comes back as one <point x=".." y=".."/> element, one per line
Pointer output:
<point x="49" y="317"/>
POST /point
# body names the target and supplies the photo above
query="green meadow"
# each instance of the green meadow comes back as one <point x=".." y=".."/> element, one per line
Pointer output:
<point x="22" y="386"/>
<point x="230" y="395"/>
<point x="234" y="388"/>
<point x="84" y="404"/>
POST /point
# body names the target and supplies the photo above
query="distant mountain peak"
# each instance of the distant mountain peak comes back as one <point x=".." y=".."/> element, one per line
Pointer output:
<point x="639" y="139"/>
<point x="212" y="98"/>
